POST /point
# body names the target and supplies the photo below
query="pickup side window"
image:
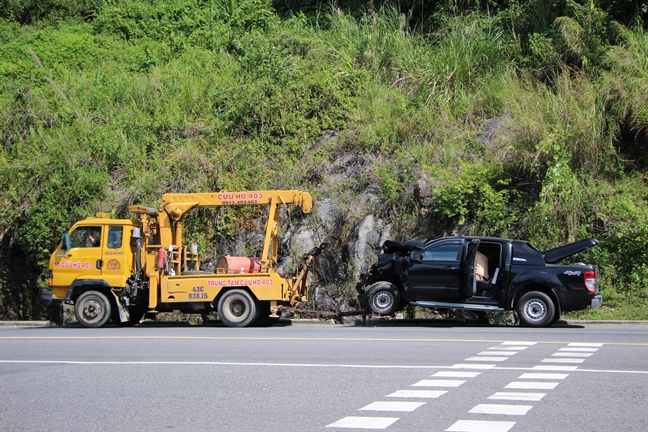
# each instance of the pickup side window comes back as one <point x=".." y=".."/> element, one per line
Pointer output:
<point x="115" y="237"/>
<point x="442" y="252"/>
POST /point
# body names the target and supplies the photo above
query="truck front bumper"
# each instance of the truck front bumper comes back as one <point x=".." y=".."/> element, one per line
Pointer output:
<point x="46" y="295"/>
<point x="597" y="301"/>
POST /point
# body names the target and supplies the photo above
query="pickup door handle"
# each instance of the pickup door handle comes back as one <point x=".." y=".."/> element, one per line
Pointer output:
<point x="450" y="268"/>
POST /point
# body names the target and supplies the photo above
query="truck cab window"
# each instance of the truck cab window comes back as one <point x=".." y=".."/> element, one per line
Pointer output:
<point x="86" y="236"/>
<point x="442" y="252"/>
<point x="115" y="237"/>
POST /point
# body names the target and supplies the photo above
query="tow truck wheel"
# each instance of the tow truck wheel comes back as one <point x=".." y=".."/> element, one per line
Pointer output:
<point x="383" y="298"/>
<point x="536" y="309"/>
<point x="92" y="309"/>
<point x="237" y="308"/>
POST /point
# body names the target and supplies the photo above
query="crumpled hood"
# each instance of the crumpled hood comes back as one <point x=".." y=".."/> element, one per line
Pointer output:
<point x="390" y="247"/>
<point x="561" y="252"/>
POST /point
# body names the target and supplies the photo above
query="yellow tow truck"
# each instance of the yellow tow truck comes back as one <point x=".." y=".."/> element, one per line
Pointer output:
<point x="122" y="269"/>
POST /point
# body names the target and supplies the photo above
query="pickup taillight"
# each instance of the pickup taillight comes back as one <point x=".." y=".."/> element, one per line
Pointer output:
<point x="590" y="281"/>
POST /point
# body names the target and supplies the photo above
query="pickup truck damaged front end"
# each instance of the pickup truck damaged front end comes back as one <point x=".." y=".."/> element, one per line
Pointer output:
<point x="391" y="267"/>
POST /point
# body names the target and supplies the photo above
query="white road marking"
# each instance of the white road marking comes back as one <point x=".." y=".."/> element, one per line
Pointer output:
<point x="392" y="406"/>
<point x="543" y="376"/>
<point x="518" y="343"/>
<point x="452" y="374"/>
<point x="532" y="385"/>
<point x="580" y="344"/>
<point x="517" y="396"/>
<point x="508" y="348"/>
<point x="364" y="422"/>
<point x="506" y="353"/>
<point x="480" y="426"/>
<point x="579" y="349"/>
<point x="562" y="360"/>
<point x="571" y="354"/>
<point x="418" y="393"/>
<point x="554" y="368"/>
<point x="439" y="383"/>
<point x="496" y="359"/>
<point x="315" y="365"/>
<point x="472" y="366"/>
<point x="501" y="409"/>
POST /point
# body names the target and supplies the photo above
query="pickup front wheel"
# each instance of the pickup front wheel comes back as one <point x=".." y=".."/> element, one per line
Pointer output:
<point x="536" y="309"/>
<point x="383" y="298"/>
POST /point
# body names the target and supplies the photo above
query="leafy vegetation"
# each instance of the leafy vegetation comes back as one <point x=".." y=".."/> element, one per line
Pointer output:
<point x="530" y="118"/>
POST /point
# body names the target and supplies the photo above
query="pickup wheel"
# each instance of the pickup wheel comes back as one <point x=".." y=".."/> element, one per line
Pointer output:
<point x="536" y="309"/>
<point x="383" y="298"/>
<point x="92" y="309"/>
<point x="237" y="308"/>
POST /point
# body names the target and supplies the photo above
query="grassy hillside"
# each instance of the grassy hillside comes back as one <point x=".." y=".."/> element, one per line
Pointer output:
<point x="519" y="119"/>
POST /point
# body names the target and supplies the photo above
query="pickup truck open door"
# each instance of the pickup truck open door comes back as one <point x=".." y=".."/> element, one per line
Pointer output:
<point x="443" y="271"/>
<point x="468" y="281"/>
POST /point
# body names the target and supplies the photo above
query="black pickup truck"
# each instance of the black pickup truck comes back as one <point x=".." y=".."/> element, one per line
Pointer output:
<point x="513" y="275"/>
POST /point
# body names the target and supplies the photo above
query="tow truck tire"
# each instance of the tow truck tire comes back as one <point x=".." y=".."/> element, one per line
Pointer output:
<point x="92" y="309"/>
<point x="237" y="308"/>
<point x="536" y="309"/>
<point x="383" y="298"/>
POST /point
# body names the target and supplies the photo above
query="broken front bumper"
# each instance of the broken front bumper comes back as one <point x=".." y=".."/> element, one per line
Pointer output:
<point x="597" y="301"/>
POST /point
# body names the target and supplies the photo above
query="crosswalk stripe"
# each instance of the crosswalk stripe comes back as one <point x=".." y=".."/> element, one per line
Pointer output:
<point x="576" y="349"/>
<point x="543" y="376"/>
<point x="418" y="393"/>
<point x="496" y="359"/>
<point x="392" y="406"/>
<point x="517" y="396"/>
<point x="472" y="366"/>
<point x="498" y="353"/>
<point x="571" y="354"/>
<point x="509" y="348"/>
<point x="481" y="426"/>
<point x="501" y="409"/>
<point x="452" y="374"/>
<point x="533" y="385"/>
<point x="582" y="344"/>
<point x="562" y="360"/>
<point x="364" y="422"/>
<point x="439" y="383"/>
<point x="554" y="368"/>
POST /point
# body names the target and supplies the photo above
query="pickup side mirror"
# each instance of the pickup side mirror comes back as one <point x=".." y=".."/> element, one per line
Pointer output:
<point x="65" y="240"/>
<point x="416" y="256"/>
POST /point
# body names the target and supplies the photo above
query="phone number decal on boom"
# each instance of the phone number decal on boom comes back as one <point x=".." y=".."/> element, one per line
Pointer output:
<point x="241" y="202"/>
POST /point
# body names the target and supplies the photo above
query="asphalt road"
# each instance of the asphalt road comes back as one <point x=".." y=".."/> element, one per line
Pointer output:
<point x="431" y="377"/>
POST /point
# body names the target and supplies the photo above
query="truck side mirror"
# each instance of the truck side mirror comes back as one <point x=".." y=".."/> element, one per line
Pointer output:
<point x="416" y="256"/>
<point x="65" y="239"/>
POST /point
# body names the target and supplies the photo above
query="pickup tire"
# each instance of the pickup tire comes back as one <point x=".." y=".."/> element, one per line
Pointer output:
<point x="92" y="309"/>
<point x="382" y="298"/>
<point x="237" y="308"/>
<point x="536" y="309"/>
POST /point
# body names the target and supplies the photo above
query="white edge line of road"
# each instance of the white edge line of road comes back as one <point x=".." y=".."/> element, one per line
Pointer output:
<point x="306" y="365"/>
